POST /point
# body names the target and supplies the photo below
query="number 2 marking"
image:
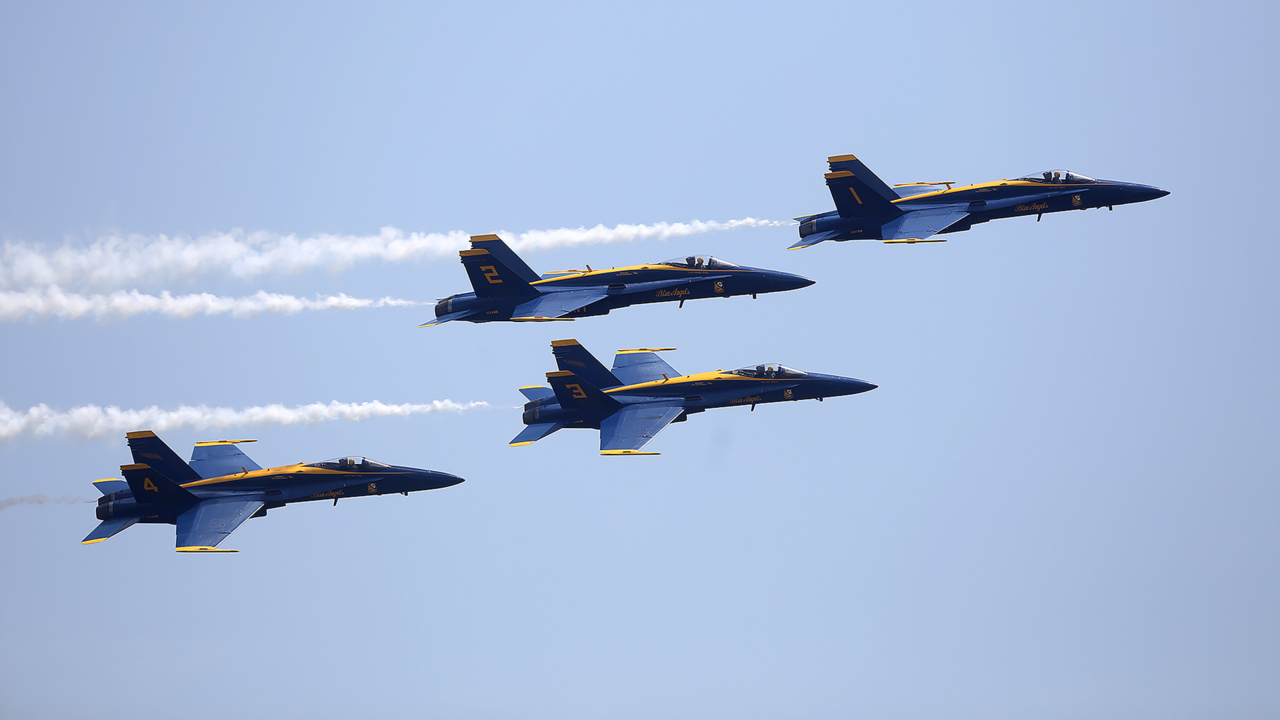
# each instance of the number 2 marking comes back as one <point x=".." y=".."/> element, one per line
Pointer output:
<point x="491" y="274"/>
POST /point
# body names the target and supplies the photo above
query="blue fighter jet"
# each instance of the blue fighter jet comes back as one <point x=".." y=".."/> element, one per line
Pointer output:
<point x="506" y="289"/>
<point x="867" y="209"/>
<point x="642" y="394"/>
<point x="221" y="488"/>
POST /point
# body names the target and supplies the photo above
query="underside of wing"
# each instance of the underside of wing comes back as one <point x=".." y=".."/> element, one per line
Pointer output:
<point x="554" y="305"/>
<point x="632" y="427"/>
<point x="203" y="527"/>
<point x="920" y="225"/>
<point x="641" y="365"/>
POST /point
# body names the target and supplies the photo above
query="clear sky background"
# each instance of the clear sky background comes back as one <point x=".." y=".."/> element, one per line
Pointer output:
<point x="1060" y="503"/>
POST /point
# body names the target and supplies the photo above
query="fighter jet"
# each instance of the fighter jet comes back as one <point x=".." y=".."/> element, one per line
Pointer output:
<point x="221" y="488"/>
<point x="867" y="209"/>
<point x="642" y="394"/>
<point x="506" y="289"/>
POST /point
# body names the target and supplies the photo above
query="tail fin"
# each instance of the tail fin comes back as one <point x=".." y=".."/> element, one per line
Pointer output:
<point x="857" y="191"/>
<point x="504" y="254"/>
<point x="490" y="277"/>
<point x="149" y="449"/>
<point x="572" y="357"/>
<point x="149" y="485"/>
<point x="575" y="393"/>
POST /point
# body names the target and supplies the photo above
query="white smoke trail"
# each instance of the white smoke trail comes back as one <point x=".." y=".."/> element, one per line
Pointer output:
<point x="41" y="500"/>
<point x="121" y="304"/>
<point x="92" y="421"/>
<point x="114" y="262"/>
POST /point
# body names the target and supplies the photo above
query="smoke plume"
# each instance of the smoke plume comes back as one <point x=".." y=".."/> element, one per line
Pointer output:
<point x="114" y="262"/>
<point x="53" y="302"/>
<point x="41" y="500"/>
<point x="93" y="421"/>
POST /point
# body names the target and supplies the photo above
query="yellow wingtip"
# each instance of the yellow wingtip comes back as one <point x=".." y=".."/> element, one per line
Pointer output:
<point x="90" y="542"/>
<point x="203" y="549"/>
<point x="627" y="452"/>
<point x="522" y="444"/>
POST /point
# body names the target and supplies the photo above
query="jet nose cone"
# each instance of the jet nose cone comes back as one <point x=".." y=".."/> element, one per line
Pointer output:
<point x="787" y="281"/>
<point x="1143" y="193"/>
<point x="861" y="386"/>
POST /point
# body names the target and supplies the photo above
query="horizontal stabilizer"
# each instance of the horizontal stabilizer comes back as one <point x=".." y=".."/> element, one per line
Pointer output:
<point x="536" y="392"/>
<point x="221" y="457"/>
<point x="204" y="526"/>
<point x="632" y="427"/>
<point x="533" y="433"/>
<point x="110" y="485"/>
<point x="815" y="238"/>
<point x="151" y="486"/>
<point x="555" y="305"/>
<point x="641" y="365"/>
<point x="109" y="527"/>
<point x="921" y="224"/>
<point x="572" y="357"/>
<point x="460" y="315"/>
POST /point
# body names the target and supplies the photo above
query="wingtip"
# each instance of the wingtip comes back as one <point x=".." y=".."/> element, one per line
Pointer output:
<point x="90" y="542"/>
<point x="204" y="549"/>
<point x="627" y="452"/>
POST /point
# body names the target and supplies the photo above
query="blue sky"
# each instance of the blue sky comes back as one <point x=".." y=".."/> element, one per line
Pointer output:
<point x="1060" y="502"/>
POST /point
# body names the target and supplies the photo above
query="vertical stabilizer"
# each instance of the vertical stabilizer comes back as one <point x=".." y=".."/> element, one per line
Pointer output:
<point x="857" y="191"/>
<point x="504" y="254"/>
<point x="149" y="449"/>
<point x="572" y="357"/>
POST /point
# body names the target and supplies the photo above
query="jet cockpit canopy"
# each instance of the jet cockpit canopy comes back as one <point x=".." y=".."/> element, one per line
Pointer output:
<point x="1058" y="177"/>
<point x="349" y="464"/>
<point x="699" y="262"/>
<point x="768" y="370"/>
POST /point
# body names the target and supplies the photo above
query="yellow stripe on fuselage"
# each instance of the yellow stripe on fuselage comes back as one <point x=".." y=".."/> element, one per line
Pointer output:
<point x="637" y="268"/>
<point x="299" y="469"/>
<point x="998" y="183"/>
<point x="684" y="380"/>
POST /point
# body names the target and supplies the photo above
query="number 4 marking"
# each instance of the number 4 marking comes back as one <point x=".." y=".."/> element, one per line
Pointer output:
<point x="148" y="485"/>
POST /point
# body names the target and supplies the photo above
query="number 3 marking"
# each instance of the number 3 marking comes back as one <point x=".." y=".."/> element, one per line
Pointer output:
<point x="577" y="390"/>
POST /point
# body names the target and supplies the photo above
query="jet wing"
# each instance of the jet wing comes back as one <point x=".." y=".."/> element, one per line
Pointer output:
<point x="629" y="429"/>
<point x="641" y="365"/>
<point x="205" y="525"/>
<point x="919" y="225"/>
<point x="553" y="305"/>
<point x="221" y="457"/>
